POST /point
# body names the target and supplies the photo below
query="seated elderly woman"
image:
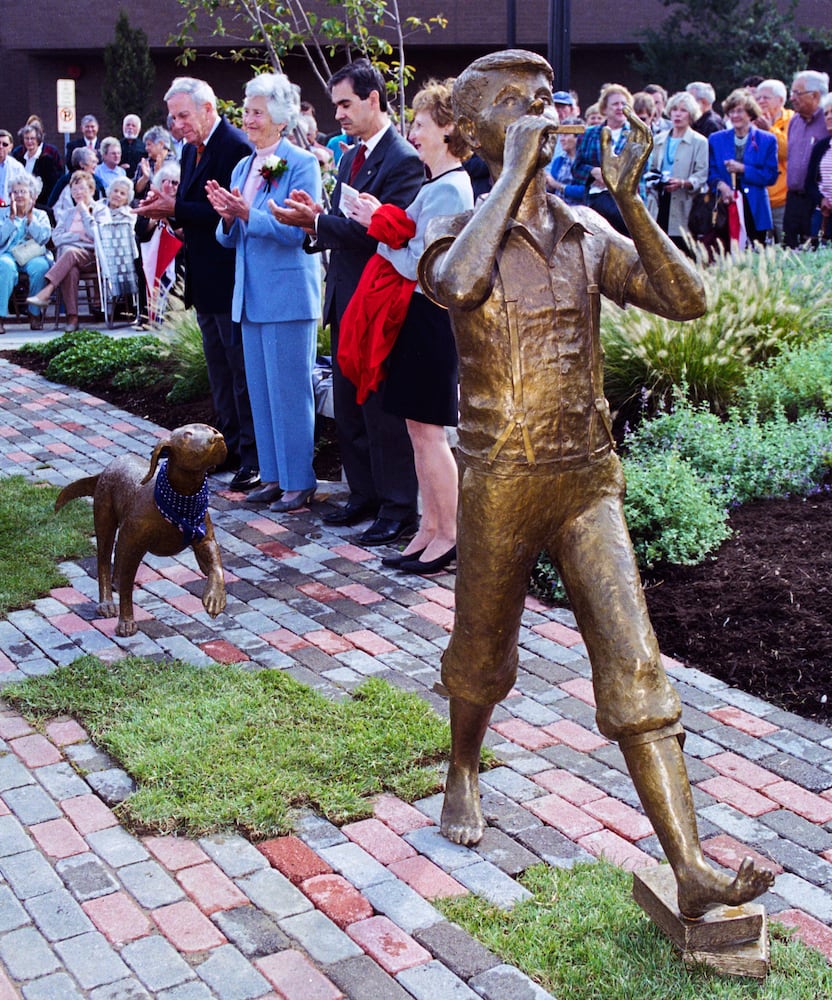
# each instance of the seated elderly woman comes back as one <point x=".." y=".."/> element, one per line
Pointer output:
<point x="116" y="206"/>
<point x="159" y="145"/>
<point x="24" y="233"/>
<point x="75" y="243"/>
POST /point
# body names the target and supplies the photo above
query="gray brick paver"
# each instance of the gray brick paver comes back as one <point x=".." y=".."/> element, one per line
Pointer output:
<point x="92" y="960"/>
<point x="157" y="963"/>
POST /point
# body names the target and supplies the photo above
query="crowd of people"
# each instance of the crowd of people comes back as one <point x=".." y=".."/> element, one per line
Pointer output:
<point x="776" y="157"/>
<point x="251" y="210"/>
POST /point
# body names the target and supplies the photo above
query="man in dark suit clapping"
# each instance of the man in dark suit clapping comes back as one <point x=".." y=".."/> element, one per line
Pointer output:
<point x="375" y="447"/>
<point x="212" y="149"/>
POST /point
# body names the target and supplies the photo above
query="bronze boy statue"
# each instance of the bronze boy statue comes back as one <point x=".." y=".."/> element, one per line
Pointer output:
<point x="522" y="278"/>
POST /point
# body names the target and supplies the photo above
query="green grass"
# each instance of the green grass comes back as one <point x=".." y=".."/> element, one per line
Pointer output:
<point x="584" y="938"/>
<point x="33" y="539"/>
<point x="219" y="747"/>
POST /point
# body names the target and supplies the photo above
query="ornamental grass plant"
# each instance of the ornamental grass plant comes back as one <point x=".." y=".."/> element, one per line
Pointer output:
<point x="758" y="304"/>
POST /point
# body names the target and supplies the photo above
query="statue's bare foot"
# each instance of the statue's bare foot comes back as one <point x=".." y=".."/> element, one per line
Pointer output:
<point x="462" y="820"/>
<point x="703" y="887"/>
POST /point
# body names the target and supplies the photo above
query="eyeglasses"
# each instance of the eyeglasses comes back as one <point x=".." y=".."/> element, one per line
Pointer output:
<point x="4" y="143"/>
<point x="802" y="93"/>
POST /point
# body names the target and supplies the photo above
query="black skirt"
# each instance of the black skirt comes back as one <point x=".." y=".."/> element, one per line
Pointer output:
<point x="422" y="373"/>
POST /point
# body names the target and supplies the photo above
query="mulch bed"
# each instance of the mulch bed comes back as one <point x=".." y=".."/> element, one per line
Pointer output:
<point x="758" y="616"/>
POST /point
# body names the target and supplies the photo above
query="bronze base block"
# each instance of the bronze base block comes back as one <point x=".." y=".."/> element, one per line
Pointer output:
<point x="732" y="940"/>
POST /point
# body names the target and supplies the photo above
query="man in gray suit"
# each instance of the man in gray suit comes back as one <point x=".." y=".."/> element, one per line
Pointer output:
<point x="375" y="447"/>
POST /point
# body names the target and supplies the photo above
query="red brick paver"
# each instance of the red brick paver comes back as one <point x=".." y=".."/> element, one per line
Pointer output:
<point x="524" y="734"/>
<point x="292" y="858"/>
<point x="730" y="853"/>
<point x="400" y="816"/>
<point x="58" y="838"/>
<point x="117" y="917"/>
<point x="619" y="817"/>
<point x="223" y="652"/>
<point x="739" y="796"/>
<point x="807" y="804"/>
<point x="378" y="840"/>
<point x="580" y="687"/>
<point x="743" y="721"/>
<point x="810" y="931"/>
<point x="295" y="978"/>
<point x="620" y="852"/>
<point x="427" y="878"/>
<point x="175" y="852"/>
<point x="388" y="944"/>
<point x="36" y="751"/>
<point x="63" y="732"/>
<point x="558" y="633"/>
<point x="745" y="771"/>
<point x="575" y="736"/>
<point x="337" y="898"/>
<point x="210" y="888"/>
<point x="369" y="642"/>
<point x="186" y="928"/>
<point x="568" y="786"/>
<point x="89" y="814"/>
<point x="563" y="816"/>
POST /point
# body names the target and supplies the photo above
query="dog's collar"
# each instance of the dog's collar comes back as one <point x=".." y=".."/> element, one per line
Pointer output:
<point x="187" y="513"/>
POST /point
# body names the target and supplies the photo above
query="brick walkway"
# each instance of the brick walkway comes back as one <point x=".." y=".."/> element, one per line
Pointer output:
<point x="87" y="909"/>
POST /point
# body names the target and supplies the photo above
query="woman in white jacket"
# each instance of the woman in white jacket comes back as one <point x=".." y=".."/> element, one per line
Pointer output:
<point x="678" y="168"/>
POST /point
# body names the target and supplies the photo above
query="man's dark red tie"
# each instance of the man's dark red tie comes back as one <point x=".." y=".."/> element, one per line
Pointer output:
<point x="358" y="162"/>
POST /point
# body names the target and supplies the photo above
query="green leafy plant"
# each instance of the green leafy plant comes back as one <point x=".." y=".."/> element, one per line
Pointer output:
<point x="223" y="748"/>
<point x="740" y="458"/>
<point x="797" y="383"/>
<point x="672" y="514"/>
<point x="130" y="362"/>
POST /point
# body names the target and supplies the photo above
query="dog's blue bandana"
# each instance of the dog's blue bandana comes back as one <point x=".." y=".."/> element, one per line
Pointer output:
<point x="187" y="513"/>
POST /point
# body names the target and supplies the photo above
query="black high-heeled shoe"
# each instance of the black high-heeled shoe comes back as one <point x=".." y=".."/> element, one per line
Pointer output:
<point x="394" y="562"/>
<point x="433" y="566"/>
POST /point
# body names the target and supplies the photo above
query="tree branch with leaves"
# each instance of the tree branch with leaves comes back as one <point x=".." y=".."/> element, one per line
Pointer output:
<point x="326" y="32"/>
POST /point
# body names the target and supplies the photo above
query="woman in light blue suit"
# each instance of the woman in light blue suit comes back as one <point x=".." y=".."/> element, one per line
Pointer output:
<point x="743" y="156"/>
<point x="277" y="290"/>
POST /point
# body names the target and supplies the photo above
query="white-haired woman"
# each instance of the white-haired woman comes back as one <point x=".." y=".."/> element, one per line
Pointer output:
<point x="116" y="206"/>
<point x="20" y="224"/>
<point x="277" y="290"/>
<point x="678" y="168"/>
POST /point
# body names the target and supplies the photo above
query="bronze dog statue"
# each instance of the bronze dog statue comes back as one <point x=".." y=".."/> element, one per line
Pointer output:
<point x="160" y="512"/>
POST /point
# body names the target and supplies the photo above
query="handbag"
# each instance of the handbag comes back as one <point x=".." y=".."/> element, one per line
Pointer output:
<point x="701" y="217"/>
<point x="26" y="251"/>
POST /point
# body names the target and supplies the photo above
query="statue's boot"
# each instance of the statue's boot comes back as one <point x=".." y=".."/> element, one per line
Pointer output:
<point x="658" y="770"/>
